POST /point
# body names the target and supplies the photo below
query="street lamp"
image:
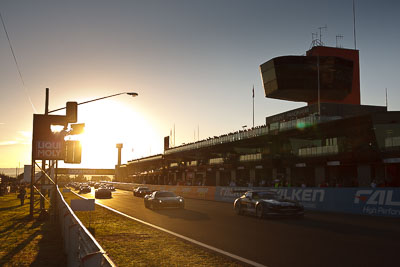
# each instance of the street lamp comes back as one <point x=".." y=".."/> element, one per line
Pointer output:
<point x="40" y="126"/>
<point x="133" y="94"/>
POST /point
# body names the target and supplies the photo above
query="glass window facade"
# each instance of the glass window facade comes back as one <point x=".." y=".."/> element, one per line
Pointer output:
<point x="216" y="161"/>
<point x="250" y="157"/>
<point x="299" y="123"/>
<point x="388" y="136"/>
<point x="315" y="147"/>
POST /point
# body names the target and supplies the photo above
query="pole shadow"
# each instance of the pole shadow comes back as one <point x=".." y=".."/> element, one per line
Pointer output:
<point x="7" y="257"/>
<point x="51" y="252"/>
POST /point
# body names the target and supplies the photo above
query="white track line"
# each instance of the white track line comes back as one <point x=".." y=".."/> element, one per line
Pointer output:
<point x="223" y="252"/>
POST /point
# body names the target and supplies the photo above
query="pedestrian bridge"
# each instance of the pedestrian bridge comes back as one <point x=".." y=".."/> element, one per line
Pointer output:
<point x="86" y="171"/>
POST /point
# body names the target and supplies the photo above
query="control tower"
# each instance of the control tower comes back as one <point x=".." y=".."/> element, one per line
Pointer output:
<point x="331" y="72"/>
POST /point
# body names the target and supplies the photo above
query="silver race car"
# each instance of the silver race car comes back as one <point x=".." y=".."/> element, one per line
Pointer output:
<point x="163" y="199"/>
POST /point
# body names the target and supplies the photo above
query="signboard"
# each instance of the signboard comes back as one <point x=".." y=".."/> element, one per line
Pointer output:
<point x="46" y="144"/>
<point x="73" y="151"/>
<point x="49" y="149"/>
<point x="82" y="204"/>
<point x="27" y="173"/>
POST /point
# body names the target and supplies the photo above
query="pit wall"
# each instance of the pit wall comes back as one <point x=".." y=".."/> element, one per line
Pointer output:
<point x="364" y="201"/>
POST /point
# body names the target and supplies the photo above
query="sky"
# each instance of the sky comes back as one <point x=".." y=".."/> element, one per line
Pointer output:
<point x="193" y="64"/>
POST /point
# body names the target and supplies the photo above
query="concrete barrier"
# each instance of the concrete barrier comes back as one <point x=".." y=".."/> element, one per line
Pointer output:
<point x="80" y="246"/>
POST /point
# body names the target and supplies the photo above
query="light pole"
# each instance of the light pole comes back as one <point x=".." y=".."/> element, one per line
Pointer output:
<point x="47" y="116"/>
<point x="319" y="89"/>
<point x="133" y="94"/>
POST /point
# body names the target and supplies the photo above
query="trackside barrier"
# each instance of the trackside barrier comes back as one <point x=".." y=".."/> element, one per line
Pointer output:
<point x="363" y="201"/>
<point x="355" y="200"/>
<point x="80" y="246"/>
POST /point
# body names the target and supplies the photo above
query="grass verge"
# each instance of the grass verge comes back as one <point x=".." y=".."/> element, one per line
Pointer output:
<point x="27" y="242"/>
<point x="130" y="243"/>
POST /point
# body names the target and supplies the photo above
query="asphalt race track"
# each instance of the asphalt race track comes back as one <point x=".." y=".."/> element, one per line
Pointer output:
<point x="320" y="239"/>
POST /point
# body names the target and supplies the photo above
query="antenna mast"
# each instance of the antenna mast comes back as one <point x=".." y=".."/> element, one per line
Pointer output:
<point x="320" y="33"/>
<point x="317" y="38"/>
<point x="354" y="26"/>
<point x="339" y="37"/>
<point x="386" y="99"/>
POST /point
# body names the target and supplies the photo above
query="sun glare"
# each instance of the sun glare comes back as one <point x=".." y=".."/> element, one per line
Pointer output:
<point x="111" y="123"/>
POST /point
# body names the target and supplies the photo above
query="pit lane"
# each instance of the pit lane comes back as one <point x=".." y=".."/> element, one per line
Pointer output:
<point x="320" y="239"/>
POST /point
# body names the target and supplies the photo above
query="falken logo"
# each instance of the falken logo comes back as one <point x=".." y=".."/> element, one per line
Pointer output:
<point x="303" y="195"/>
<point x="376" y="197"/>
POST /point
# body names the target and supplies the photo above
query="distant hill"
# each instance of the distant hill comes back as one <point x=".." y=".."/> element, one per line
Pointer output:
<point x="11" y="171"/>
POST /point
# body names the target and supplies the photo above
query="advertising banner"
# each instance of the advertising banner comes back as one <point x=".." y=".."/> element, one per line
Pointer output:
<point x="377" y="202"/>
<point x="49" y="149"/>
<point x="82" y="204"/>
<point x="367" y="201"/>
<point x="363" y="201"/>
<point x="197" y="192"/>
<point x="229" y="194"/>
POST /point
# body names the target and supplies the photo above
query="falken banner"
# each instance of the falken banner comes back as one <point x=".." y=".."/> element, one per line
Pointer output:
<point x="367" y="201"/>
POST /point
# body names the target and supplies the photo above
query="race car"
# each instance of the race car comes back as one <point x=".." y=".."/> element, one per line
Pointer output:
<point x="163" y="199"/>
<point x="111" y="187"/>
<point x="267" y="203"/>
<point x="85" y="189"/>
<point x="141" y="191"/>
<point x="103" y="193"/>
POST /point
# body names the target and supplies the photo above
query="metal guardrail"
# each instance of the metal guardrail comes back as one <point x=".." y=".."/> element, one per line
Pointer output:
<point x="80" y="246"/>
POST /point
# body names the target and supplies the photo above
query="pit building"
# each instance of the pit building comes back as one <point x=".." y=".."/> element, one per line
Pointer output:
<point x="333" y="141"/>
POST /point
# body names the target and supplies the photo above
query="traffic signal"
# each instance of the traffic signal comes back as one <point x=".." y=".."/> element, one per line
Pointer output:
<point x="77" y="128"/>
<point x="73" y="152"/>
<point x="72" y="112"/>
